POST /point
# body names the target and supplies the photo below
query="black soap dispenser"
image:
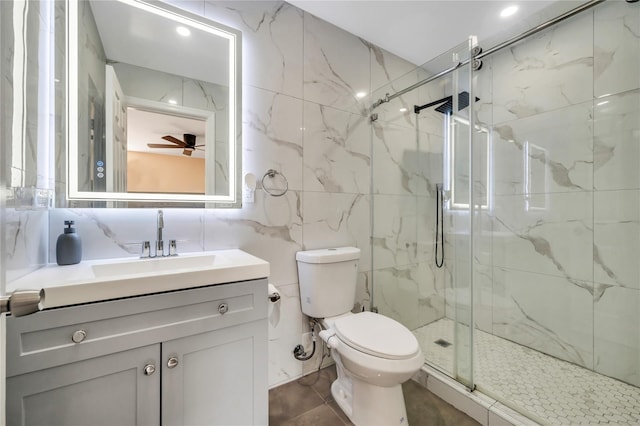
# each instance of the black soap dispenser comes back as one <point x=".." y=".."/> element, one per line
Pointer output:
<point x="68" y="246"/>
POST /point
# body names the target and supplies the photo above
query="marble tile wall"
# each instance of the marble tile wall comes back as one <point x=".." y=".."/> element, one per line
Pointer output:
<point x="565" y="107"/>
<point x="408" y="156"/>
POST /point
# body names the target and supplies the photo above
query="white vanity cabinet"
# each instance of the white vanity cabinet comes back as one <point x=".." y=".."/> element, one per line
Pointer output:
<point x="195" y="356"/>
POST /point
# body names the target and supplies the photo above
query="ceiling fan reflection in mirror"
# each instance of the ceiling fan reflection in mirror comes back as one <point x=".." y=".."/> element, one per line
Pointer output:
<point x="188" y="145"/>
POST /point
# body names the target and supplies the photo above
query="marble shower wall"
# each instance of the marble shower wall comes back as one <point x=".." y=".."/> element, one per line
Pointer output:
<point x="407" y="151"/>
<point x="301" y="117"/>
<point x="564" y="106"/>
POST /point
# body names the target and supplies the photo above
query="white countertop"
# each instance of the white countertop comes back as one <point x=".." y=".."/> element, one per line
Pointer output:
<point x="78" y="284"/>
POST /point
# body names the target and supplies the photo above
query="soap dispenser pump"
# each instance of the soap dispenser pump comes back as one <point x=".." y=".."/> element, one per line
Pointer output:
<point x="68" y="246"/>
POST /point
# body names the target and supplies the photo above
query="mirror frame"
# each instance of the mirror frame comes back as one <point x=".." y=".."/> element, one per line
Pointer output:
<point x="234" y="196"/>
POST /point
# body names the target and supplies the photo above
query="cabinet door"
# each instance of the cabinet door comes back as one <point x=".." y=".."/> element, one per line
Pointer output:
<point x="108" y="390"/>
<point x="220" y="377"/>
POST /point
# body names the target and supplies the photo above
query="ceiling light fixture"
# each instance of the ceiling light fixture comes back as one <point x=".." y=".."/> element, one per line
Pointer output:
<point x="360" y="95"/>
<point x="508" y="11"/>
<point x="403" y="110"/>
<point x="183" y="31"/>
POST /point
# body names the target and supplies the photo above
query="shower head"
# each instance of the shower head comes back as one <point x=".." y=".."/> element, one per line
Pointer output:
<point x="446" y="106"/>
<point x="463" y="102"/>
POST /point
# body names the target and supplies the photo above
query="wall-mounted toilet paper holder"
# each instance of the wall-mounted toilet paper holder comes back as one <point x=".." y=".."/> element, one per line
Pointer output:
<point x="272" y="293"/>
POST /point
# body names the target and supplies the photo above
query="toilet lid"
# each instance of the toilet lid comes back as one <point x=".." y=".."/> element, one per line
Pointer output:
<point x="376" y="335"/>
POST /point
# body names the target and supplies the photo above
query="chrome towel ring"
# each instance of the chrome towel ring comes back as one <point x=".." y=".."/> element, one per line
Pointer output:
<point x="279" y="189"/>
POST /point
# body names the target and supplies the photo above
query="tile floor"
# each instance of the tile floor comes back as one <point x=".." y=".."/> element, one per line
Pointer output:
<point x="547" y="390"/>
<point x="308" y="401"/>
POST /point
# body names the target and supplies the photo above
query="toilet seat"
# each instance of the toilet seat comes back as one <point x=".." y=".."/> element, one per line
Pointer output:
<point x="376" y="335"/>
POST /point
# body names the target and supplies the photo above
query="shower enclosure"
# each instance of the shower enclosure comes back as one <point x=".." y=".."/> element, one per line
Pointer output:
<point x="520" y="179"/>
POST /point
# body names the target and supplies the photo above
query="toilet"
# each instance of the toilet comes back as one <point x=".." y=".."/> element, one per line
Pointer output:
<point x="374" y="354"/>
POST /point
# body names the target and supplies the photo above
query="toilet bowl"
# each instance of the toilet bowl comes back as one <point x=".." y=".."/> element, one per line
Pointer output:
<point x="374" y="354"/>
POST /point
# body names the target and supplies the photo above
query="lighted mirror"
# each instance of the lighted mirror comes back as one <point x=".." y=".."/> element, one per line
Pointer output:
<point x="153" y="105"/>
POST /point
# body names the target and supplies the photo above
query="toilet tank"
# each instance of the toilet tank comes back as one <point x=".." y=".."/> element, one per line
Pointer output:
<point x="327" y="280"/>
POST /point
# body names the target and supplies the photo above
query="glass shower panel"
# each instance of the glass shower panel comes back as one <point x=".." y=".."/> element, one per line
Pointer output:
<point x="458" y="295"/>
<point x="415" y="278"/>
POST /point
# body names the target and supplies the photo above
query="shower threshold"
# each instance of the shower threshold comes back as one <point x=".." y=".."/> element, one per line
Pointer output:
<point x="545" y="389"/>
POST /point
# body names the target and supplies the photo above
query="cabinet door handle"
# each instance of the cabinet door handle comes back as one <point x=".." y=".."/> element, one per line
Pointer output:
<point x="149" y="369"/>
<point x="172" y="362"/>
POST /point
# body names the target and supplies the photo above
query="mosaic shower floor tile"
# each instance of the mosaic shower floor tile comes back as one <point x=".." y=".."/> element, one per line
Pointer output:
<point x="546" y="389"/>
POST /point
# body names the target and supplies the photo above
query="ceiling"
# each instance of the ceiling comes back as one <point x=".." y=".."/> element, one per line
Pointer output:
<point x="420" y="30"/>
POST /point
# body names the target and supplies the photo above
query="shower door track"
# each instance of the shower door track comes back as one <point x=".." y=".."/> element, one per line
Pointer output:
<point x="494" y="49"/>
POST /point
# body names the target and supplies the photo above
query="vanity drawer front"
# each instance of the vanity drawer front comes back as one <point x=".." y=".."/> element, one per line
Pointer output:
<point x="59" y="336"/>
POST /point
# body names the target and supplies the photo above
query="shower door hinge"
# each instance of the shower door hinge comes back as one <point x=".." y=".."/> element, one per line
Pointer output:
<point x="373" y="117"/>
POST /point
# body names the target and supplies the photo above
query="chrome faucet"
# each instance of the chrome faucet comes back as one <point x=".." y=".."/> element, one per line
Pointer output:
<point x="146" y="245"/>
<point x="159" y="242"/>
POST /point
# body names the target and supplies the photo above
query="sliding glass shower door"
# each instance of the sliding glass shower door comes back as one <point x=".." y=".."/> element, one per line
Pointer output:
<point x="422" y="208"/>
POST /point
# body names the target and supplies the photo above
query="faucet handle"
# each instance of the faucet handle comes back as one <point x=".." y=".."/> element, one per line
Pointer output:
<point x="146" y="249"/>
<point x="159" y="248"/>
<point x="173" y="248"/>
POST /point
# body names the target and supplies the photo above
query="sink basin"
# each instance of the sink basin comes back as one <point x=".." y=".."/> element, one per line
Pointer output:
<point x="155" y="265"/>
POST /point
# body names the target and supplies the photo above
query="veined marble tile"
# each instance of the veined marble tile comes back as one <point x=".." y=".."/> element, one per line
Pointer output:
<point x="616" y="36"/>
<point x="617" y="141"/>
<point x="272" y="125"/>
<point x="545" y="313"/>
<point x="396" y="294"/>
<point x="270" y="228"/>
<point x="336" y="66"/>
<point x="271" y="42"/>
<point x="395" y="230"/>
<point x="338" y="220"/>
<point x="457" y="291"/>
<point x="549" y="152"/>
<point x="285" y="332"/>
<point x="483" y="297"/>
<point x="388" y="69"/>
<point x="555" y="240"/>
<point x="550" y="70"/>
<point x="616" y="239"/>
<point x="337" y="153"/>
<point x="617" y="338"/>
<point x="113" y="233"/>
<point x="431" y="294"/>
<point x="25" y="242"/>
<point x="395" y="165"/>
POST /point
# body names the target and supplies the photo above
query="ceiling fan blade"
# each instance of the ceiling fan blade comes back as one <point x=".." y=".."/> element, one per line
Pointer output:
<point x="177" y="141"/>
<point x="196" y="146"/>
<point x="160" y="145"/>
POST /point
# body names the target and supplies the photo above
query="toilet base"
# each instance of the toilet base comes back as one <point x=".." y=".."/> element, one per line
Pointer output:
<point x="366" y="404"/>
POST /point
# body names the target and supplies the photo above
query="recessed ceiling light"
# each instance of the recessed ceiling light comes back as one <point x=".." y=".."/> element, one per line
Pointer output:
<point x="403" y="110"/>
<point x="360" y="95"/>
<point x="173" y="102"/>
<point x="183" y="31"/>
<point x="508" y="11"/>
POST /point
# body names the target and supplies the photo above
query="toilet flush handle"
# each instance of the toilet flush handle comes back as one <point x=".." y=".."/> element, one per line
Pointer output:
<point x="329" y="336"/>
